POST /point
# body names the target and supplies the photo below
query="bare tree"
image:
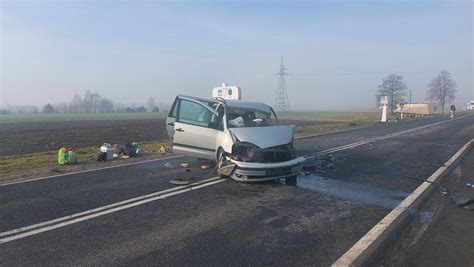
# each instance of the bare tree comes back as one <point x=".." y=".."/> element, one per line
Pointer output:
<point x="151" y="105"/>
<point x="442" y="89"/>
<point x="394" y="87"/>
<point x="76" y="105"/>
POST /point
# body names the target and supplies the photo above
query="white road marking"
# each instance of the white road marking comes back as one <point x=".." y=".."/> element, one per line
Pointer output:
<point x="349" y="258"/>
<point x="375" y="139"/>
<point x="86" y="215"/>
<point x="91" y="170"/>
<point x="82" y="216"/>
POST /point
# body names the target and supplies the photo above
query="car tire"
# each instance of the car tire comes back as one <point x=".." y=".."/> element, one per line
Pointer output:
<point x="291" y="180"/>
<point x="221" y="161"/>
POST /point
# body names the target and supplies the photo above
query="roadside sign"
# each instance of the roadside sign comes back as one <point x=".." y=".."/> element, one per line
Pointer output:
<point x="384" y="100"/>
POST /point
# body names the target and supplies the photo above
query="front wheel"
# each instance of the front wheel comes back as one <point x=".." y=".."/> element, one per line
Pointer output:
<point x="221" y="162"/>
<point x="291" y="180"/>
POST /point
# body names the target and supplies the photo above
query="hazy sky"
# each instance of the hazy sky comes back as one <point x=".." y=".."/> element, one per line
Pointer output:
<point x="338" y="51"/>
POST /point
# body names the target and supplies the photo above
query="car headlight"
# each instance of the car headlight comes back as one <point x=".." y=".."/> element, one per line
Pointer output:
<point x="244" y="151"/>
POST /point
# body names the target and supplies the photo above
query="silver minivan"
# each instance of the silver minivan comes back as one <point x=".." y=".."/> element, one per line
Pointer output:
<point x="240" y="135"/>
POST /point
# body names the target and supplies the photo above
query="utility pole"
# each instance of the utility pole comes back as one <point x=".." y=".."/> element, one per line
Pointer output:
<point x="410" y="97"/>
<point x="281" y="99"/>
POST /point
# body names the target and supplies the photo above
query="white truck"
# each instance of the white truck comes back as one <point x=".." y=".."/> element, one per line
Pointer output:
<point x="470" y="105"/>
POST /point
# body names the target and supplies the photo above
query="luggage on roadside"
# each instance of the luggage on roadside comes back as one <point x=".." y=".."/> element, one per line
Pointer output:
<point x="116" y="150"/>
<point x="101" y="156"/>
<point x="129" y="150"/>
<point x="107" y="149"/>
<point x="62" y="156"/>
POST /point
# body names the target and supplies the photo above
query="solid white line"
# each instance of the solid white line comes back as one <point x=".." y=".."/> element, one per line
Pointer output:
<point x="376" y="139"/>
<point x="124" y="202"/>
<point x="305" y="136"/>
<point x="90" y="170"/>
<point x="348" y="258"/>
<point x="107" y="211"/>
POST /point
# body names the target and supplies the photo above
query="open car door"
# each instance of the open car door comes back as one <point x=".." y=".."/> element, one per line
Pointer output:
<point x="195" y="129"/>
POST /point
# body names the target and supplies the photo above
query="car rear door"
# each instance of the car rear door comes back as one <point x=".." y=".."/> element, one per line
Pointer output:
<point x="195" y="131"/>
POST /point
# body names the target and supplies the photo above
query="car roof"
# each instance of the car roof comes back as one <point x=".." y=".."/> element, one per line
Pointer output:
<point x="248" y="104"/>
<point x="234" y="103"/>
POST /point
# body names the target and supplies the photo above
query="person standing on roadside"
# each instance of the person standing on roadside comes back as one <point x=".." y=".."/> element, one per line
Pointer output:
<point x="453" y="109"/>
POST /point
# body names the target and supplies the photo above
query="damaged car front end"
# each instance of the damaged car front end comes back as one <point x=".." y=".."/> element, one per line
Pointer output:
<point x="262" y="154"/>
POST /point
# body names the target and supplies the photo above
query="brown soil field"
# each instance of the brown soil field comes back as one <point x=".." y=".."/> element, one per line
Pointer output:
<point x="24" y="138"/>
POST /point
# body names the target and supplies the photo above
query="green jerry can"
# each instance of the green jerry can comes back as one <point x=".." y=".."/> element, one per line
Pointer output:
<point x="62" y="156"/>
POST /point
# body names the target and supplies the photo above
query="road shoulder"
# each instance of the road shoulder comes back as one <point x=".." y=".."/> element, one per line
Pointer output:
<point x="441" y="233"/>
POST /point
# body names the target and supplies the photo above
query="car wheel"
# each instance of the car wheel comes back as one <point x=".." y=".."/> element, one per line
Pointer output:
<point x="290" y="180"/>
<point x="221" y="162"/>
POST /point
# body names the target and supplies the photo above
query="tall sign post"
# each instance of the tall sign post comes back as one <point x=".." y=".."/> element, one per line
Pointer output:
<point x="384" y="103"/>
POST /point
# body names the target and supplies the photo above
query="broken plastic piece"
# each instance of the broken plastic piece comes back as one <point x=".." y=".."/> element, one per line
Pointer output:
<point x="168" y="165"/>
<point x="184" y="165"/>
<point x="179" y="181"/>
<point x="461" y="199"/>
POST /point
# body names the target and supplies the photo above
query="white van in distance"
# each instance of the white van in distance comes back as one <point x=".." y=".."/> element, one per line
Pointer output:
<point x="227" y="92"/>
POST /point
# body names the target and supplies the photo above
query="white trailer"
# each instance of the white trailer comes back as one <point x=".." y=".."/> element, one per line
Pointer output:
<point x="470" y="105"/>
<point x="417" y="109"/>
<point x="227" y="92"/>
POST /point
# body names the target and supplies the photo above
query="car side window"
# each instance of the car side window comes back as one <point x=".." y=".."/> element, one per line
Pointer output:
<point x="196" y="114"/>
<point x="174" y="109"/>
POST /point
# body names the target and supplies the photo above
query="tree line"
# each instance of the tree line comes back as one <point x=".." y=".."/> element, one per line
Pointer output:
<point x="441" y="90"/>
<point x="92" y="102"/>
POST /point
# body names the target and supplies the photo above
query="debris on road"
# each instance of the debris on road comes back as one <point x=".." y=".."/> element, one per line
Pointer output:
<point x="207" y="164"/>
<point x="184" y="165"/>
<point x="425" y="216"/>
<point x="462" y="200"/>
<point x="169" y="165"/>
<point x="180" y="181"/>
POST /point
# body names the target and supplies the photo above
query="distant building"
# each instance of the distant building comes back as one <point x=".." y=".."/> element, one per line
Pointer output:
<point x="418" y="109"/>
<point x="22" y="109"/>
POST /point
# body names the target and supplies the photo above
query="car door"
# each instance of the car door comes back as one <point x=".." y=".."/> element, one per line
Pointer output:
<point x="172" y="118"/>
<point x="195" y="131"/>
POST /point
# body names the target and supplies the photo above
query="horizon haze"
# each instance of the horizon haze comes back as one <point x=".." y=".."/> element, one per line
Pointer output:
<point x="336" y="52"/>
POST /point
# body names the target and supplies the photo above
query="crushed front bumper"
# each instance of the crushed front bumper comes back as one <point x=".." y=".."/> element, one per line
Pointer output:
<point x="257" y="172"/>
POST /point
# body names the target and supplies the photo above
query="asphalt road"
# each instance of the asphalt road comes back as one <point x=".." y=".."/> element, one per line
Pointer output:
<point x="225" y="223"/>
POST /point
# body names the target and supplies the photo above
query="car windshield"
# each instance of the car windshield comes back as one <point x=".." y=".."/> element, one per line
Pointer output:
<point x="241" y="117"/>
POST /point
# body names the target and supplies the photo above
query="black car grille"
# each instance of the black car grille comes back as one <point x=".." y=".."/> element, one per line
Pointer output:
<point x="274" y="154"/>
<point x="249" y="153"/>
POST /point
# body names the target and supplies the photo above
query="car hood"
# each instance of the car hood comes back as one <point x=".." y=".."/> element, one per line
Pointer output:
<point x="265" y="137"/>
